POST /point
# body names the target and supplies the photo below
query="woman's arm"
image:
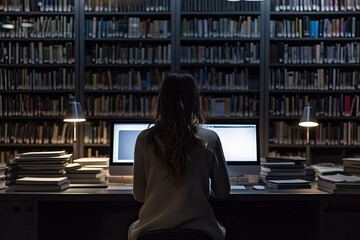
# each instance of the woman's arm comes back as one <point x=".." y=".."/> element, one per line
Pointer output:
<point x="220" y="182"/>
<point x="139" y="179"/>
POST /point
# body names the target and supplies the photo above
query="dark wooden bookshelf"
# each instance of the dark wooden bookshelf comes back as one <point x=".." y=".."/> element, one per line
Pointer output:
<point x="258" y="72"/>
<point x="32" y="117"/>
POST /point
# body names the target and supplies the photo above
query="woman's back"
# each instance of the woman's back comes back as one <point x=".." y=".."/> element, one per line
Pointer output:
<point x="183" y="204"/>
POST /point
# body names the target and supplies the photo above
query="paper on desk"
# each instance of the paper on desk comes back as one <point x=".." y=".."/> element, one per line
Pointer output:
<point x="327" y="168"/>
<point x="341" y="178"/>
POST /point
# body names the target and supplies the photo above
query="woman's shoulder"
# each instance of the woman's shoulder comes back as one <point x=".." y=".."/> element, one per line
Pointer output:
<point x="207" y="134"/>
<point x="144" y="134"/>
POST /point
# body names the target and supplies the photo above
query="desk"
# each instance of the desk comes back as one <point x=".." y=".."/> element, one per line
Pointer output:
<point x="94" y="213"/>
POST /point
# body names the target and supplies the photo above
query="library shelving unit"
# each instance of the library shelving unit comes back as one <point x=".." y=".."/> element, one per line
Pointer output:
<point x="128" y="51"/>
<point x="314" y="59"/>
<point x="220" y="46"/>
<point x="37" y="75"/>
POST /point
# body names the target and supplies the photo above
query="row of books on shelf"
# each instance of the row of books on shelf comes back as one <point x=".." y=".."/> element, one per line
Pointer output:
<point x="128" y="27"/>
<point x="39" y="27"/>
<point x="315" y="5"/>
<point x="37" y="53"/>
<point x="323" y="28"/>
<point x="30" y="5"/>
<point x="212" y="79"/>
<point x="36" y="133"/>
<point x="216" y="5"/>
<point x="233" y="106"/>
<point x="32" y="105"/>
<point x="131" y="80"/>
<point x="326" y="134"/>
<point x="328" y="106"/>
<point x="243" y="26"/>
<point x="96" y="133"/>
<point x="37" y="79"/>
<point x="318" y="79"/>
<point x="232" y="53"/>
<point x="120" y="105"/>
<point x="127" y="6"/>
<point x="143" y="106"/>
<point x="318" y="53"/>
<point x="129" y="54"/>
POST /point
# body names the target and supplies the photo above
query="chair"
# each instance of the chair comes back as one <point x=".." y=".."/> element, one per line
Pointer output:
<point x="175" y="234"/>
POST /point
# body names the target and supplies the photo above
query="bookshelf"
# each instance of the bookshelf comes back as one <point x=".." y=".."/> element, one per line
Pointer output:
<point x="255" y="61"/>
<point x="314" y="59"/>
<point x="220" y="45"/>
<point x="128" y="51"/>
<point x="38" y="68"/>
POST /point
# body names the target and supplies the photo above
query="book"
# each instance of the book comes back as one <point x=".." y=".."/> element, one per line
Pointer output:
<point x="92" y="161"/>
<point x="87" y="180"/>
<point x="84" y="170"/>
<point x="43" y="158"/>
<point x="289" y="184"/>
<point x="42" y="154"/>
<point x="72" y="166"/>
<point x="41" y="181"/>
<point x="42" y="187"/>
<point x="85" y="175"/>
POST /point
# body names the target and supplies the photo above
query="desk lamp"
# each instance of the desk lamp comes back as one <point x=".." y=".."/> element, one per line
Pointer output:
<point x="74" y="114"/>
<point x="308" y="120"/>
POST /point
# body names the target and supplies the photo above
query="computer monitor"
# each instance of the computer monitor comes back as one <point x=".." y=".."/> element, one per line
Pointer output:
<point x="122" y="146"/>
<point x="240" y="144"/>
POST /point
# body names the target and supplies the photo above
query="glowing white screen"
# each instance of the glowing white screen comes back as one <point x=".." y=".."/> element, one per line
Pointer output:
<point x="239" y="141"/>
<point x="124" y="139"/>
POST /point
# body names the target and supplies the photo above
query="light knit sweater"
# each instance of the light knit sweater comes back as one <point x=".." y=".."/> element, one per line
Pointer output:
<point x="185" y="204"/>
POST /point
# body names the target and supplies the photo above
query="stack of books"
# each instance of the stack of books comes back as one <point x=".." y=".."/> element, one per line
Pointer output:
<point x="3" y="175"/>
<point x="289" y="184"/>
<point x="339" y="183"/>
<point x="41" y="184"/>
<point x="93" y="162"/>
<point x="42" y="164"/>
<point x="85" y="175"/>
<point x="11" y="173"/>
<point x="284" y="168"/>
<point x="87" y="170"/>
<point x="352" y="166"/>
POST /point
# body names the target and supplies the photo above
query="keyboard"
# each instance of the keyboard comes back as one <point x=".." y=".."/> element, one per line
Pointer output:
<point x="124" y="187"/>
<point x="237" y="187"/>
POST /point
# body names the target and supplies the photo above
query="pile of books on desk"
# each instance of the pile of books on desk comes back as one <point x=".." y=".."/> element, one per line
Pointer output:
<point x="3" y="168"/>
<point x="87" y="170"/>
<point x="42" y="164"/>
<point x="284" y="168"/>
<point x="339" y="183"/>
<point x="352" y="166"/>
<point x="41" y="184"/>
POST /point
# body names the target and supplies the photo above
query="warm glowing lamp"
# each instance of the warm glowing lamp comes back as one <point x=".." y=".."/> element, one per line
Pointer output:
<point x="308" y="120"/>
<point x="74" y="114"/>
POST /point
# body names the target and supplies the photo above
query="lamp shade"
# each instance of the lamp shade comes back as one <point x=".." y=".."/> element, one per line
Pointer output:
<point x="308" y="118"/>
<point x="74" y="111"/>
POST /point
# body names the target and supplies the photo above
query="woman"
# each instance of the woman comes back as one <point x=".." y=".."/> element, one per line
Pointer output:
<point x="174" y="161"/>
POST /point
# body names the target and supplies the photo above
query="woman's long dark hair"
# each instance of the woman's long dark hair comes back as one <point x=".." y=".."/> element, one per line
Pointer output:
<point x="176" y="121"/>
